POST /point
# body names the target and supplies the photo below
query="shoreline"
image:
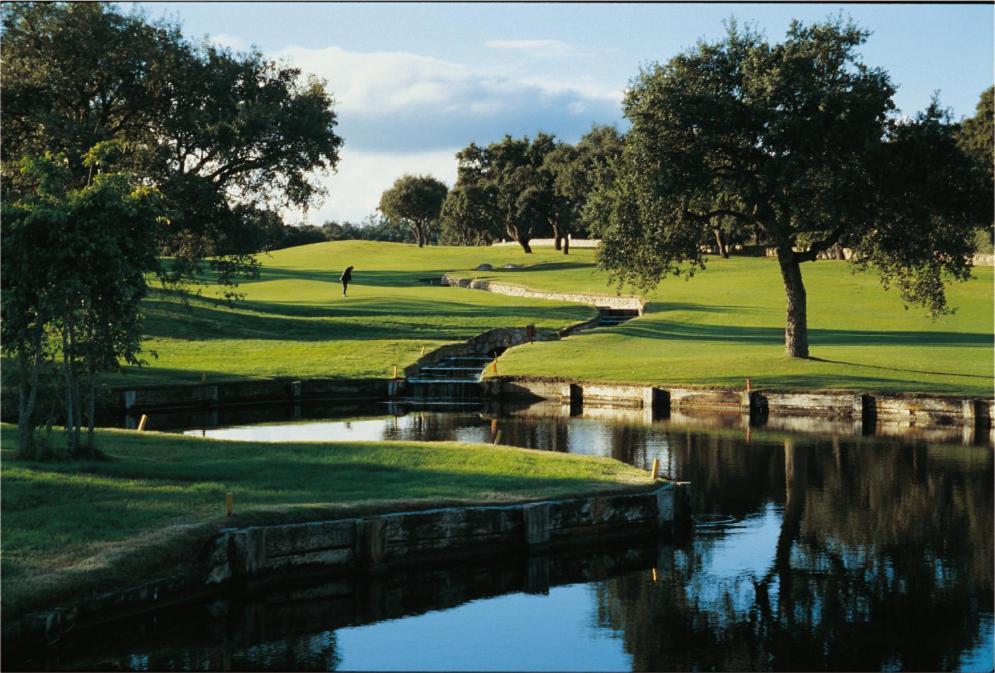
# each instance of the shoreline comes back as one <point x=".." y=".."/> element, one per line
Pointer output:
<point x="280" y="551"/>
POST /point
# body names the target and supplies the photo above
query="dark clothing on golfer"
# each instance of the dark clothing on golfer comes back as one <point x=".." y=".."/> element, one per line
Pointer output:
<point x="346" y="279"/>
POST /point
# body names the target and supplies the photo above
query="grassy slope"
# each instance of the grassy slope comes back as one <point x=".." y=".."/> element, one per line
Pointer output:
<point x="295" y="322"/>
<point x="726" y="324"/>
<point x="72" y="525"/>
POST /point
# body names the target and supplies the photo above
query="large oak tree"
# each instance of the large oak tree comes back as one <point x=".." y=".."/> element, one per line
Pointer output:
<point x="223" y="136"/>
<point x="506" y="186"/>
<point x="799" y="140"/>
<point x="415" y="200"/>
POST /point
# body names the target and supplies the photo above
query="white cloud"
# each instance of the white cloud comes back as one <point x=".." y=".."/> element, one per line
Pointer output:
<point x="537" y="48"/>
<point x="404" y="102"/>
<point x="232" y="42"/>
<point x="406" y="113"/>
<point x="354" y="191"/>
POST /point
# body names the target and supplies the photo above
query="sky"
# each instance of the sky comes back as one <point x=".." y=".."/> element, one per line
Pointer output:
<point x="413" y="83"/>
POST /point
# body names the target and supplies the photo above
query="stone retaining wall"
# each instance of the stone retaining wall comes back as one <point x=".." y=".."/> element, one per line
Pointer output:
<point x="608" y="301"/>
<point x="350" y="544"/>
<point x="397" y="540"/>
<point x="249" y="392"/>
<point x="887" y="410"/>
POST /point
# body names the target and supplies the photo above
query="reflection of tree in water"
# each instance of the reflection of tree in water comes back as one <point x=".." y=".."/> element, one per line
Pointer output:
<point x="883" y="557"/>
<point x="290" y="652"/>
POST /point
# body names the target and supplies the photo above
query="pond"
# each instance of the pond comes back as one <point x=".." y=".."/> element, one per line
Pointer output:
<point x="810" y="552"/>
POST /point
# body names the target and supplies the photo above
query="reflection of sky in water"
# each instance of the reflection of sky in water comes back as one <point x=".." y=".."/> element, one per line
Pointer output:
<point x="745" y="547"/>
<point x="519" y="632"/>
<point x="980" y="657"/>
<point x="360" y="431"/>
<point x="528" y="632"/>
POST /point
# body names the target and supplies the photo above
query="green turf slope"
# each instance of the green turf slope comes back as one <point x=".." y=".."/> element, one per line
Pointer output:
<point x="727" y="324"/>
<point x="294" y="320"/>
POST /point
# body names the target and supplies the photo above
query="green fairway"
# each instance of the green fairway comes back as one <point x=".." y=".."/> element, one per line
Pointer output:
<point x="69" y="525"/>
<point x="727" y="324"/>
<point x="716" y="330"/>
<point x="294" y="320"/>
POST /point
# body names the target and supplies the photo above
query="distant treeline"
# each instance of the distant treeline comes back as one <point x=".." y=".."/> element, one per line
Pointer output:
<point x="373" y="228"/>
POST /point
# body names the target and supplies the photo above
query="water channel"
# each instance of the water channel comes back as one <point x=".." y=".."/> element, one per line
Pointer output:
<point x="810" y="552"/>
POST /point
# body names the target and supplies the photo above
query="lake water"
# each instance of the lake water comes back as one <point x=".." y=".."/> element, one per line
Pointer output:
<point x="809" y="553"/>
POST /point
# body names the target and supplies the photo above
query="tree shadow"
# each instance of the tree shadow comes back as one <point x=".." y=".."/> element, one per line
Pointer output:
<point x="359" y="319"/>
<point x="900" y="369"/>
<point x="670" y="330"/>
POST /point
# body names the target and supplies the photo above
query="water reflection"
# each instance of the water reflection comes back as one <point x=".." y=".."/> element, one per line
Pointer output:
<point x="812" y="553"/>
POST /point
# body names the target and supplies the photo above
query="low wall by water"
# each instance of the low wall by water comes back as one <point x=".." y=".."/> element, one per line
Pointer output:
<point x="608" y="301"/>
<point x="888" y="411"/>
<point x="277" y="552"/>
<point x="274" y="613"/>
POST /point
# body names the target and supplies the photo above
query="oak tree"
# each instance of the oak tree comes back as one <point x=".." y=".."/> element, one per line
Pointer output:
<point x="415" y="200"/>
<point x="798" y="140"/>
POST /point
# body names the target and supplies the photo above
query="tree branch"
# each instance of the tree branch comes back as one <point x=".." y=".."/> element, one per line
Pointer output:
<point x="813" y="250"/>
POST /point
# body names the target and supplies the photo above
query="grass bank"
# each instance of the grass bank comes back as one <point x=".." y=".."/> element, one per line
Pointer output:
<point x="727" y="324"/>
<point x="715" y="330"/>
<point x="73" y="527"/>
<point x="294" y="320"/>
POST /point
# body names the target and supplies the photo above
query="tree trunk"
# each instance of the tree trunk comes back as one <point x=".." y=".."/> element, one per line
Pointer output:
<point x="27" y="396"/>
<point x="91" y="412"/>
<point x="566" y="244"/>
<point x="524" y="242"/>
<point x="796" y="325"/>
<point x="795" y="487"/>
<point x="720" y="241"/>
<point x="68" y="373"/>
<point x="419" y="236"/>
<point x="557" y="239"/>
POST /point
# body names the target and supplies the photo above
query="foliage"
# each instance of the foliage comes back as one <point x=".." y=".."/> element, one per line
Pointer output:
<point x="578" y="169"/>
<point x="223" y="136"/>
<point x="469" y="217"/>
<point x="77" y="276"/>
<point x="793" y="139"/>
<point x="415" y="200"/>
<point x="505" y="186"/>
<point x="977" y="138"/>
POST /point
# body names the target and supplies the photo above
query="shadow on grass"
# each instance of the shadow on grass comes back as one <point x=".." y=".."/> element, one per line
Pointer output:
<point x="358" y="319"/>
<point x="900" y="369"/>
<point x="549" y="266"/>
<point x="668" y="330"/>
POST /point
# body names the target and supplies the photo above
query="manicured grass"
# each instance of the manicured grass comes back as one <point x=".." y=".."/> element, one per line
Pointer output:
<point x="726" y="324"/>
<point x="69" y="527"/>
<point x="721" y="327"/>
<point x="294" y="320"/>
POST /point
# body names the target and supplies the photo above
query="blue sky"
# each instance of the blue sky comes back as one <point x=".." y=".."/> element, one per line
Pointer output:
<point x="414" y="83"/>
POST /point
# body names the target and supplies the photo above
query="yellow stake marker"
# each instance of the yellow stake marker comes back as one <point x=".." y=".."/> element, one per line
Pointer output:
<point x="141" y="423"/>
<point x="654" y="575"/>
<point x="229" y="504"/>
<point x="655" y="472"/>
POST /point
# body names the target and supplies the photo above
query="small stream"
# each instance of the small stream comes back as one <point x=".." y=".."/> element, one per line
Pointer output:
<point x="809" y="553"/>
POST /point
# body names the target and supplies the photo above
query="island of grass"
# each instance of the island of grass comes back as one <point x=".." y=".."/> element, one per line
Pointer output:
<point x="76" y="527"/>
<point x="715" y="330"/>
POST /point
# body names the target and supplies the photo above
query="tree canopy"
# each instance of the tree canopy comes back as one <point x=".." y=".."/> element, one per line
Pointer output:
<point x="576" y="170"/>
<point x="797" y="139"/>
<point x="415" y="200"/>
<point x="504" y="187"/>
<point x="223" y="136"/>
<point x="74" y="276"/>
